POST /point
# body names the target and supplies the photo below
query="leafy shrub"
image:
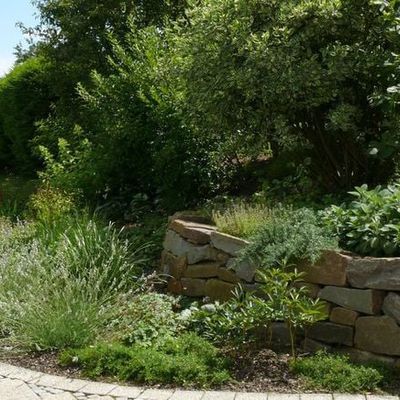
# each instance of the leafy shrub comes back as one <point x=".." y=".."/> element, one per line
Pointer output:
<point x="231" y="324"/>
<point x="146" y="319"/>
<point x="289" y="236"/>
<point x="336" y="373"/>
<point x="185" y="360"/>
<point x="285" y="301"/>
<point x="48" y="204"/>
<point x="25" y="98"/>
<point x="235" y="322"/>
<point x="245" y="71"/>
<point x="370" y="225"/>
<point x="241" y="219"/>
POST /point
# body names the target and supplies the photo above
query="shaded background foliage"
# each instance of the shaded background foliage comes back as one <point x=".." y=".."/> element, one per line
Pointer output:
<point x="180" y="101"/>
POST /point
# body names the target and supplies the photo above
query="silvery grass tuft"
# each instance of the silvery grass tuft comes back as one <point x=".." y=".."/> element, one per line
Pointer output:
<point x="61" y="296"/>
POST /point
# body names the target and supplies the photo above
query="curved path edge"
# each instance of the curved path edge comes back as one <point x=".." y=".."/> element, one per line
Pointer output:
<point x="18" y="383"/>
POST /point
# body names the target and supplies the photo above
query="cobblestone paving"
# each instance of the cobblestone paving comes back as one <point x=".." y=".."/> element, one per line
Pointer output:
<point x="22" y="384"/>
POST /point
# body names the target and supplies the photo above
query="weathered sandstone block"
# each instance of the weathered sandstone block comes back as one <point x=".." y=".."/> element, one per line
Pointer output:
<point x="227" y="243"/>
<point x="365" y="357"/>
<point x="219" y="290"/>
<point x="331" y="333"/>
<point x="329" y="270"/>
<point x="227" y="275"/>
<point x="175" y="286"/>
<point x="391" y="306"/>
<point x="343" y="316"/>
<point x="311" y="289"/>
<point x="312" y="346"/>
<point x="193" y="231"/>
<point x="172" y="264"/>
<point x="203" y="270"/>
<point x="365" y="301"/>
<point x="190" y="216"/>
<point x="374" y="273"/>
<point x="193" y="287"/>
<point x="245" y="270"/>
<point x="378" y="335"/>
<point x="180" y="247"/>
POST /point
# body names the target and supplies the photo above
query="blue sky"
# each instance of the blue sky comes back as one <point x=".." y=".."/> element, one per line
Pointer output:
<point x="11" y="12"/>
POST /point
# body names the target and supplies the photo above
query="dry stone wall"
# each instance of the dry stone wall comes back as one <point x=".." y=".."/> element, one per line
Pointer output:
<point x="362" y="294"/>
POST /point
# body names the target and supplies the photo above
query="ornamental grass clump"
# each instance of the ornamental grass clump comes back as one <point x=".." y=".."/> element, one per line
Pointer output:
<point x="242" y="219"/>
<point x="61" y="295"/>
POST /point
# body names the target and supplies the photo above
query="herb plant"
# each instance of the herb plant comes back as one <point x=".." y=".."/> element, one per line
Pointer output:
<point x="369" y="225"/>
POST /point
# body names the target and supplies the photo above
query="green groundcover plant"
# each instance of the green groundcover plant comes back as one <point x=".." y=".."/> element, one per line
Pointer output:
<point x="185" y="360"/>
<point x="369" y="225"/>
<point x="335" y="372"/>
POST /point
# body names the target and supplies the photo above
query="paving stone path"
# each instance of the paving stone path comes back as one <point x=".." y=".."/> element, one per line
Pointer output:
<point x="22" y="384"/>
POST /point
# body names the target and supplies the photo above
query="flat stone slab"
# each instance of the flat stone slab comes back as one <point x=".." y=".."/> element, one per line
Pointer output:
<point x="251" y="396"/>
<point x="366" y="301"/>
<point x="343" y="316"/>
<point x="227" y="243"/>
<point x="207" y="269"/>
<point x="219" y="290"/>
<point x="193" y="231"/>
<point x="16" y="390"/>
<point x="178" y="246"/>
<point x="193" y="287"/>
<point x="331" y="333"/>
<point x="156" y="394"/>
<point x="378" y="335"/>
<point x="244" y="269"/>
<point x="374" y="273"/>
<point x="330" y="269"/>
<point x="214" y="395"/>
<point x="187" y="395"/>
<point x="391" y="306"/>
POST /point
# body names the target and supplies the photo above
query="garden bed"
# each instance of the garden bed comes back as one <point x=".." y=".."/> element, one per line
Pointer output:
<point x="362" y="293"/>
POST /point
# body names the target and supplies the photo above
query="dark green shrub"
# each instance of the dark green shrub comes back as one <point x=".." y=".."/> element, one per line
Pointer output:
<point x="337" y="373"/>
<point x="299" y="74"/>
<point x="289" y="236"/>
<point x="370" y="225"/>
<point x="25" y="98"/>
<point x="186" y="360"/>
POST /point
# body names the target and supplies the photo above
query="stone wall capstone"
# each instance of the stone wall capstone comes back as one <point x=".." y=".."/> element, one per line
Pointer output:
<point x="362" y="294"/>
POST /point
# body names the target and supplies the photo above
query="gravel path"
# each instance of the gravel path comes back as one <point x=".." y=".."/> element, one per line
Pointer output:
<point x="22" y="384"/>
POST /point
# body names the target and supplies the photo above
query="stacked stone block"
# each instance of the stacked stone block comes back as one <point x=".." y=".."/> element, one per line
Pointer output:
<point x="201" y="261"/>
<point x="362" y="294"/>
